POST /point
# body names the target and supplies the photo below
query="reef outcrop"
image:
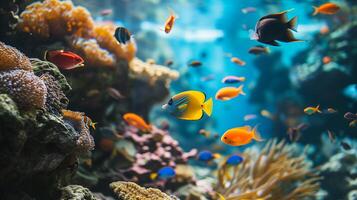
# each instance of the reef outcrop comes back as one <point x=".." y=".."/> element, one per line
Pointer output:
<point x="39" y="149"/>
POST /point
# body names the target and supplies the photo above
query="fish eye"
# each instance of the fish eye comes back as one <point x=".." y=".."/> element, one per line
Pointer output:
<point x="225" y="138"/>
<point x="170" y="102"/>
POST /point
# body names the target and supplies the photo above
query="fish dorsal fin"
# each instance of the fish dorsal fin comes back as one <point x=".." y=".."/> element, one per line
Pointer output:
<point x="200" y="96"/>
<point x="247" y="128"/>
<point x="279" y="16"/>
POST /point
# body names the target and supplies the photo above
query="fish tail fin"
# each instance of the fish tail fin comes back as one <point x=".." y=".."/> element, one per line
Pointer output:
<point x="316" y="11"/>
<point x="93" y="125"/>
<point x="153" y="176"/>
<point x="241" y="90"/>
<point x="256" y="134"/>
<point x="318" y="109"/>
<point x="292" y="24"/>
<point x="173" y="13"/>
<point x="267" y="50"/>
<point x="207" y="106"/>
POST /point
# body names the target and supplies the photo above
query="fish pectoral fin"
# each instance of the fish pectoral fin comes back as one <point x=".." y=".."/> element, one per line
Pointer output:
<point x="288" y="37"/>
<point x="273" y="43"/>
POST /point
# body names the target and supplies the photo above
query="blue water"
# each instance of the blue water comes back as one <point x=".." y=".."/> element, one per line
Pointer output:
<point x="208" y="31"/>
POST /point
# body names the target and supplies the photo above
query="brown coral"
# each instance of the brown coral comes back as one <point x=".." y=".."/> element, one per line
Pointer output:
<point x="78" y="120"/>
<point x="274" y="173"/>
<point x="24" y="87"/>
<point x="58" y="19"/>
<point x="151" y="72"/>
<point x="11" y="58"/>
<point x="132" y="191"/>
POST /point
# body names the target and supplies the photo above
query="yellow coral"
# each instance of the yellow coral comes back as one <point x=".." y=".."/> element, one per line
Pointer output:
<point x="132" y="191"/>
<point x="151" y="72"/>
<point x="272" y="174"/>
<point x="58" y="19"/>
<point x="11" y="58"/>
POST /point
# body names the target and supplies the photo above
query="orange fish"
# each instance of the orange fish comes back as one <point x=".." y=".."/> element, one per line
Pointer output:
<point x="326" y="60"/>
<point x="241" y="136"/>
<point x="135" y="120"/>
<point x="327" y="9"/>
<point x="324" y="30"/>
<point x="170" y="21"/>
<point x="228" y="93"/>
<point x="65" y="60"/>
<point x="237" y="61"/>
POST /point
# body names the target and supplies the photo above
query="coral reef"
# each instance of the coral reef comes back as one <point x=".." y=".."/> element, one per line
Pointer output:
<point x="343" y="167"/>
<point x="272" y="173"/>
<point x="151" y="72"/>
<point x="76" y="192"/>
<point x="11" y="58"/>
<point x="61" y="19"/>
<point x="132" y="191"/>
<point x="39" y="148"/>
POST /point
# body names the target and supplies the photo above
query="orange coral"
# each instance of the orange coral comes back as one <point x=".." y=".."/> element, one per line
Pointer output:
<point x="57" y="19"/>
<point x="11" y="58"/>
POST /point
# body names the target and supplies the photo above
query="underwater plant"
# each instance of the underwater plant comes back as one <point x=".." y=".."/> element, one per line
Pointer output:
<point x="272" y="173"/>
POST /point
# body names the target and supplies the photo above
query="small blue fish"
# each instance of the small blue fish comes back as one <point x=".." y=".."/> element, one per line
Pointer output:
<point x="207" y="156"/>
<point x="163" y="173"/>
<point x="234" y="160"/>
<point x="233" y="79"/>
<point x="122" y="35"/>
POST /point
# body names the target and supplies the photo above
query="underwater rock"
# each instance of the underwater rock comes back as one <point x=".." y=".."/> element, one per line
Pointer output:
<point x="132" y="191"/>
<point x="38" y="148"/>
<point x="343" y="167"/>
<point x="274" y="172"/>
<point x="76" y="192"/>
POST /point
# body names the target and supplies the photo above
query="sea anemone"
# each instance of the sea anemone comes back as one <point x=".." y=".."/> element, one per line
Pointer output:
<point x="273" y="173"/>
<point x="11" y="58"/>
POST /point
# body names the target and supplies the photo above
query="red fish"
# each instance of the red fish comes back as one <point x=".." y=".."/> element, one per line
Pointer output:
<point x="65" y="60"/>
<point x="170" y="21"/>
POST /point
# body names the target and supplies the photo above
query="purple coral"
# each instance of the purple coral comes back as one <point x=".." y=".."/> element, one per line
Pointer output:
<point x="154" y="151"/>
<point x="27" y="90"/>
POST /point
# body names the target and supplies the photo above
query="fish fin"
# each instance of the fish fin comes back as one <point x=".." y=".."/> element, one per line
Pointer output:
<point x="273" y="43"/>
<point x="267" y="50"/>
<point x="241" y="90"/>
<point x="317" y="109"/>
<point x="288" y="37"/>
<point x="252" y="35"/>
<point x="292" y="24"/>
<point x="93" y="125"/>
<point x="172" y="12"/>
<point x="316" y="11"/>
<point x="153" y="176"/>
<point x="279" y="16"/>
<point x="207" y="106"/>
<point x="256" y="134"/>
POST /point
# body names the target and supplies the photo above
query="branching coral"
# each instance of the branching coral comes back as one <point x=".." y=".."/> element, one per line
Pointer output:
<point x="61" y="19"/>
<point x="273" y="173"/>
<point x="132" y="191"/>
<point x="151" y="72"/>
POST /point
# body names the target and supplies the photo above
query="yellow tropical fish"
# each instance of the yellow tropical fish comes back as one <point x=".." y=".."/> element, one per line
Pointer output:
<point x="189" y="105"/>
<point x="312" y="110"/>
<point x="241" y="136"/>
